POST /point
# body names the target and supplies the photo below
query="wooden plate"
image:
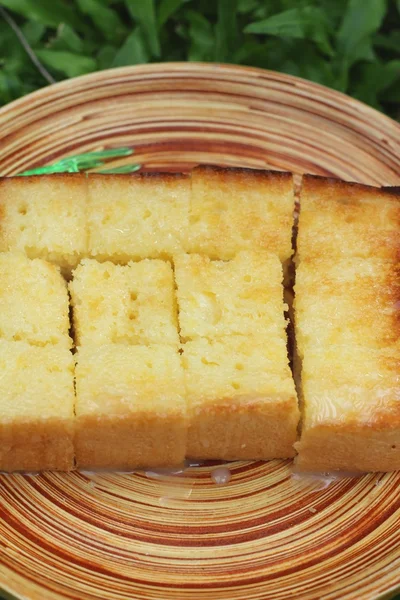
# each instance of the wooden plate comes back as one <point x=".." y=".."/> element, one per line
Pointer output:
<point x="266" y="535"/>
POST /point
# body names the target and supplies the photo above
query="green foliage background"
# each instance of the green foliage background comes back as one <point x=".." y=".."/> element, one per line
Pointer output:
<point x="350" y="45"/>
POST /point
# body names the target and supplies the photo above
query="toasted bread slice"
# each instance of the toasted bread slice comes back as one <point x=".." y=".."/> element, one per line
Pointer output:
<point x="347" y="325"/>
<point x="340" y="220"/>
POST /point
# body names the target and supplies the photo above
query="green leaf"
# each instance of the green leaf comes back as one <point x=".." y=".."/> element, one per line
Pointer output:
<point x="67" y="63"/>
<point x="106" y="56"/>
<point x="10" y="86"/>
<point x="226" y="30"/>
<point x="382" y="75"/>
<point x="33" y="31"/>
<point x="393" y="94"/>
<point x="105" y="18"/>
<point x="66" y="39"/>
<point x="302" y="23"/>
<point x="202" y="38"/>
<point x="143" y="12"/>
<point x="166" y="9"/>
<point x="133" y="51"/>
<point x="48" y="12"/>
<point x="246" y="6"/>
<point x="388" y="41"/>
<point x="361" y="19"/>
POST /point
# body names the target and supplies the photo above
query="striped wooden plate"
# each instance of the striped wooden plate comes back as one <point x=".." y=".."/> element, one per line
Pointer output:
<point x="266" y="535"/>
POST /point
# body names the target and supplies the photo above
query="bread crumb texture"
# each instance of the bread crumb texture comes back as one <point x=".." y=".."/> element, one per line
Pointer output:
<point x="36" y="407"/>
<point x="130" y="304"/>
<point x="130" y="407"/>
<point x="45" y="217"/>
<point x="34" y="303"/>
<point x="240" y="296"/>
<point x="241" y="398"/>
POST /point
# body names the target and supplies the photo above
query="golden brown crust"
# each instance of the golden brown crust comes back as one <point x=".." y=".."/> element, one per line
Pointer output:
<point x="67" y="178"/>
<point x="150" y="178"/>
<point x="243" y="429"/>
<point x="227" y="172"/>
<point x="136" y="441"/>
<point x="367" y="449"/>
<point x="37" y="445"/>
<point x="349" y="301"/>
<point x="341" y="219"/>
<point x="240" y="209"/>
<point x="351" y="190"/>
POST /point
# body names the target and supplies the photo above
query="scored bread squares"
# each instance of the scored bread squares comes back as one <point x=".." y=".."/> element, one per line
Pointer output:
<point x="243" y="295"/>
<point x="130" y="397"/>
<point x="34" y="303"/>
<point x="36" y="366"/>
<point x="36" y="407"/>
<point x="45" y="217"/>
<point x="241" y="398"/>
<point x="130" y="407"/>
<point x="350" y="301"/>
<point x="341" y="219"/>
<point x="132" y="217"/>
<point x="236" y="209"/>
<point x="129" y="304"/>
<point x="347" y="325"/>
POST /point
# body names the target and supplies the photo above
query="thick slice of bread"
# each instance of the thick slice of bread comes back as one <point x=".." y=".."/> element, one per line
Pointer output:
<point x="347" y="297"/>
<point x="34" y="302"/>
<point x="131" y="304"/>
<point x="137" y="216"/>
<point x="130" y="407"/>
<point x="340" y="220"/>
<point x="241" y="398"/>
<point x="240" y="296"/>
<point x="240" y="209"/>
<point x="36" y="407"/>
<point x="45" y="217"/>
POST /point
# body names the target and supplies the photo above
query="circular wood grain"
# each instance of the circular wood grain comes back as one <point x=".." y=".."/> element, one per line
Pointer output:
<point x="267" y="534"/>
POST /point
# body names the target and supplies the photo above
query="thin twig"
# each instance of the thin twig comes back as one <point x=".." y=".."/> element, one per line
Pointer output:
<point x="26" y="46"/>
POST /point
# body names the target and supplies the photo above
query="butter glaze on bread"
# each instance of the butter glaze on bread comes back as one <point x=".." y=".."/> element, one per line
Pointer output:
<point x="240" y="209"/>
<point x="131" y="304"/>
<point x="347" y="310"/>
<point x="340" y="219"/>
<point x="239" y="296"/>
<point x="34" y="302"/>
<point x="351" y="418"/>
<point x="131" y="217"/>
<point x="352" y="301"/>
<point x="229" y="395"/>
<point x="45" y="217"/>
